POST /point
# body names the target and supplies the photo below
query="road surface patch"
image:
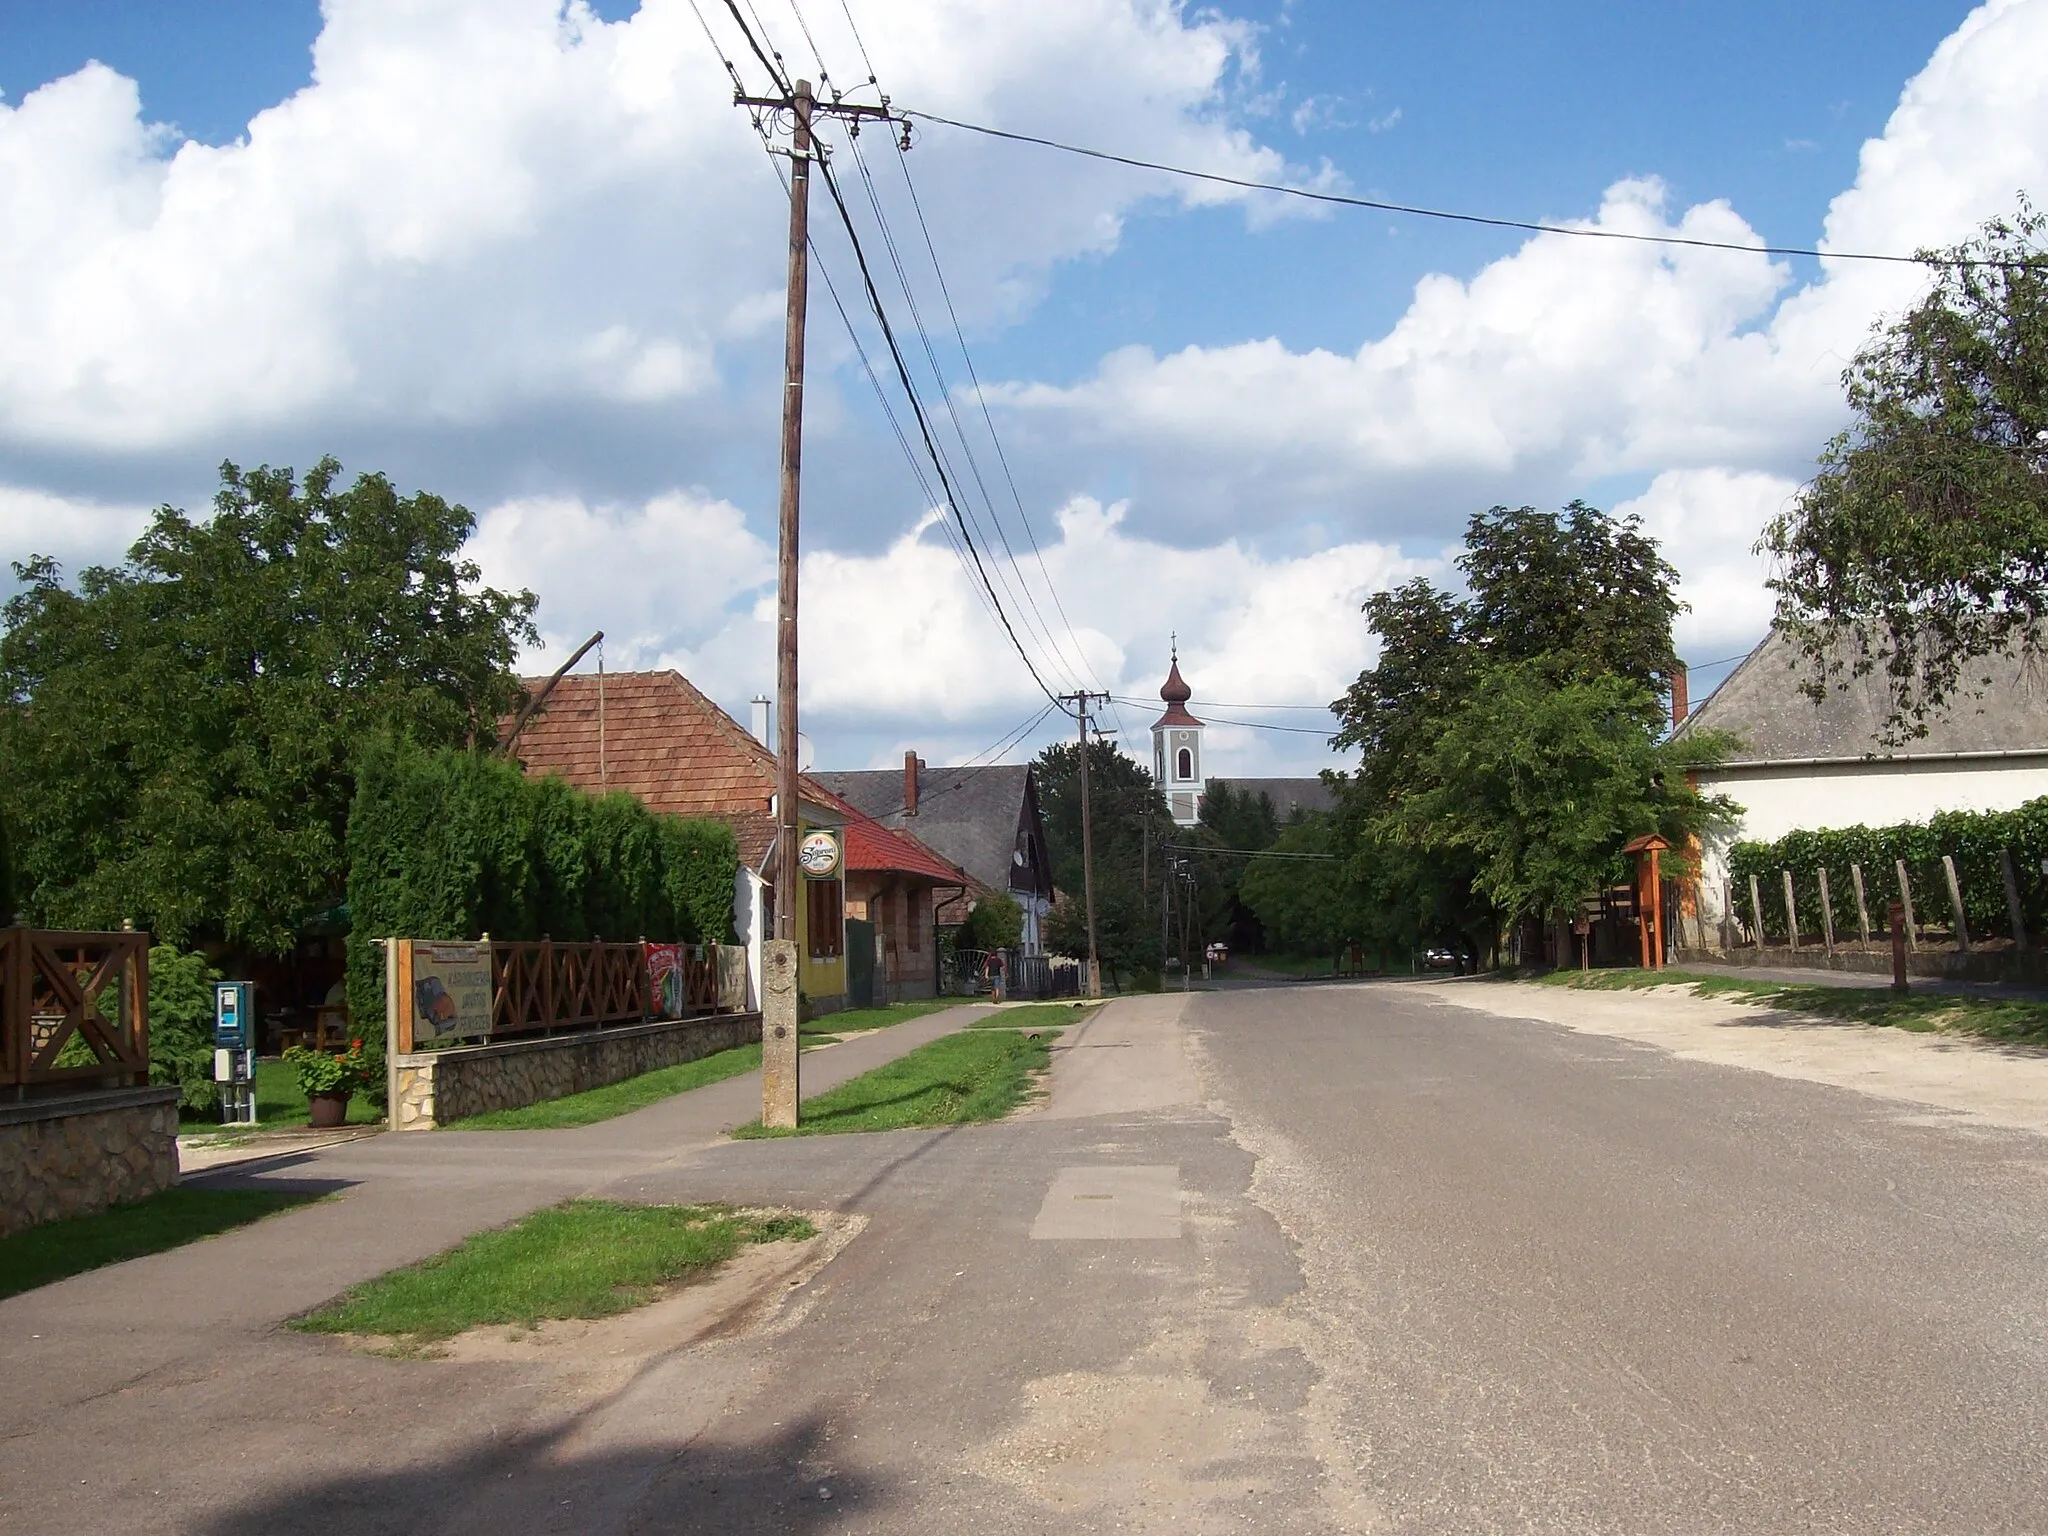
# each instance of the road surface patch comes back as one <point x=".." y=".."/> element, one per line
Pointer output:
<point x="1118" y="1203"/>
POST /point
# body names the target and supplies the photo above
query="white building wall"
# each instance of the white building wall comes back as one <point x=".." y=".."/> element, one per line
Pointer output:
<point x="1821" y="798"/>
<point x="749" y="921"/>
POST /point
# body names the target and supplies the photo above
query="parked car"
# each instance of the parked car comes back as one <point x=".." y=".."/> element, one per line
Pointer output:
<point x="1441" y="960"/>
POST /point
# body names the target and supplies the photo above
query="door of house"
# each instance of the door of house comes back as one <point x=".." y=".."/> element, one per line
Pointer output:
<point x="860" y="963"/>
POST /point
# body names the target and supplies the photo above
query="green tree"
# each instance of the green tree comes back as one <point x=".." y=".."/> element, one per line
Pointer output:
<point x="1922" y="543"/>
<point x="1130" y="826"/>
<point x="178" y="733"/>
<point x="1301" y="891"/>
<point x="1540" y="783"/>
<point x="1566" y="615"/>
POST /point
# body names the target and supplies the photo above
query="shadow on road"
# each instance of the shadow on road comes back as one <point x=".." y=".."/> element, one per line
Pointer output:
<point x="781" y="1484"/>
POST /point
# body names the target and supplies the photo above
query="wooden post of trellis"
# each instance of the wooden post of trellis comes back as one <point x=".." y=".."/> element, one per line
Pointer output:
<point x="1791" y="913"/>
<point x="2013" y="908"/>
<point x="1906" y="908"/>
<point x="1827" y="914"/>
<point x="1862" y="906"/>
<point x="1955" y="901"/>
<point x="1756" y="910"/>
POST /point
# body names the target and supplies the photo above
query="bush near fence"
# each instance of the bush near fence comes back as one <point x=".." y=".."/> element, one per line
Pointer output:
<point x="1972" y="838"/>
<point x="453" y="845"/>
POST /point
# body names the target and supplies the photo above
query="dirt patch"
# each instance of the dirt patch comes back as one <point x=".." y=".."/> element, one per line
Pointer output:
<point x="1979" y="1081"/>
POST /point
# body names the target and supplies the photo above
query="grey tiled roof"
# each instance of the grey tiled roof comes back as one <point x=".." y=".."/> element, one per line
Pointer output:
<point x="973" y="816"/>
<point x="1762" y="704"/>
<point x="1287" y="794"/>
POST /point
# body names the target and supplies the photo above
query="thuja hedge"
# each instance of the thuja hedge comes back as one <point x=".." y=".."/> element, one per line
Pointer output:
<point x="1972" y="838"/>
<point x="451" y="845"/>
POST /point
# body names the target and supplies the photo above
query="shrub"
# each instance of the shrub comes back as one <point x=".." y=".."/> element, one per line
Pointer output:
<point x="996" y="922"/>
<point x="451" y="845"/>
<point x="1974" y="839"/>
<point x="181" y="1026"/>
<point x="348" y="1071"/>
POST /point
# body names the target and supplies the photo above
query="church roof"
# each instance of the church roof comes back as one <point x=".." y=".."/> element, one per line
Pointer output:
<point x="1176" y="692"/>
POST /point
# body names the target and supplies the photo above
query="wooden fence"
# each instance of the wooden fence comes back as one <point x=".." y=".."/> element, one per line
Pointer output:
<point x="74" y="1009"/>
<point x="1762" y="912"/>
<point x="544" y="987"/>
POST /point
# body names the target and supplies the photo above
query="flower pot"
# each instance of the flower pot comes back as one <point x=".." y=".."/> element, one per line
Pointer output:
<point x="327" y="1110"/>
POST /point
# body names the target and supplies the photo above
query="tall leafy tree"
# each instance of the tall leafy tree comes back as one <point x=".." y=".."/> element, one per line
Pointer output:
<point x="1510" y="738"/>
<point x="1130" y="825"/>
<point x="1922" y="544"/>
<point x="177" y="733"/>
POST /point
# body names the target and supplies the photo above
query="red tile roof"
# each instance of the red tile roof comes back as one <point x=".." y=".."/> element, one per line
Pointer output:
<point x="872" y="846"/>
<point x="666" y="743"/>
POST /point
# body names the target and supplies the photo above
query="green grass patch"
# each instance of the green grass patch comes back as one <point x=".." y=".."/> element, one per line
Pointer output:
<point x="597" y="1104"/>
<point x="956" y="1080"/>
<point x="1924" y="1012"/>
<point x="168" y="1219"/>
<point x="585" y="1258"/>
<point x="1037" y="1016"/>
<point x="1282" y="965"/>
<point x="853" y="1021"/>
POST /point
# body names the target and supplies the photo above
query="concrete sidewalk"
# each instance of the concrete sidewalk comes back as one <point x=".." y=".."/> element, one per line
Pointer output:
<point x="400" y="1199"/>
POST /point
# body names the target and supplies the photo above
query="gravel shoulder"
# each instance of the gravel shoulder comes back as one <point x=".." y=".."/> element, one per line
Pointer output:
<point x="1987" y="1083"/>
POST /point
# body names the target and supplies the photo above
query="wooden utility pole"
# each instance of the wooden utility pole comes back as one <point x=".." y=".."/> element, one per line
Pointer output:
<point x="1080" y="701"/>
<point x="779" y="1093"/>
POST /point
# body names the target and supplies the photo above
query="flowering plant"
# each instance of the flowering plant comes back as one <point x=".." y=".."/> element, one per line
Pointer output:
<point x="329" y="1071"/>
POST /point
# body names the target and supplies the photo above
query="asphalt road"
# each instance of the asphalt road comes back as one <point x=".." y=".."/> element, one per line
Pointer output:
<point x="1313" y="1259"/>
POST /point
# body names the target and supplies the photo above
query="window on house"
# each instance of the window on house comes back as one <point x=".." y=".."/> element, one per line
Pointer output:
<point x="1184" y="764"/>
<point x="825" y="918"/>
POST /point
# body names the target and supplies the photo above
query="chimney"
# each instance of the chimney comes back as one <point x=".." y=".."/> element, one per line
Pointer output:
<point x="910" y="767"/>
<point x="1679" y="708"/>
<point x="764" y="721"/>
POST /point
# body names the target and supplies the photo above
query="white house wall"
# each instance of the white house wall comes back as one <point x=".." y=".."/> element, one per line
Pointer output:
<point x="1827" y="797"/>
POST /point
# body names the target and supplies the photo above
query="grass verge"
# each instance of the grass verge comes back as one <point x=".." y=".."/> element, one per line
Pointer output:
<point x="168" y="1219"/>
<point x="854" y="1021"/>
<point x="585" y="1258"/>
<point x="1920" y="1011"/>
<point x="1037" y="1016"/>
<point x="279" y="1102"/>
<point x="956" y="1080"/>
<point x="597" y="1104"/>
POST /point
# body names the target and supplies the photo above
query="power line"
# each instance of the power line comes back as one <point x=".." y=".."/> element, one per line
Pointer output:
<point x="1257" y="725"/>
<point x="1249" y="853"/>
<point x="923" y="423"/>
<point x="1530" y="225"/>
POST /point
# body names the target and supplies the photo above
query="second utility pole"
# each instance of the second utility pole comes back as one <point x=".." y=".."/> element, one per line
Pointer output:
<point x="1080" y="702"/>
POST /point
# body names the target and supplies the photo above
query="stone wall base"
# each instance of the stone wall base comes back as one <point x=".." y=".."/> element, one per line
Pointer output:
<point x="78" y="1153"/>
<point x="436" y="1088"/>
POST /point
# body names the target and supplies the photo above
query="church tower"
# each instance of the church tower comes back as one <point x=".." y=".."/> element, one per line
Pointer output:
<point x="1177" y="749"/>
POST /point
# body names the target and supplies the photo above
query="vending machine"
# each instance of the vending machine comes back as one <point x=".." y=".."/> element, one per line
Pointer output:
<point x="234" y="1051"/>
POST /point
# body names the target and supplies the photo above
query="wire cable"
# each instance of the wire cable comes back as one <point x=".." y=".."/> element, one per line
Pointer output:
<point x="1530" y="225"/>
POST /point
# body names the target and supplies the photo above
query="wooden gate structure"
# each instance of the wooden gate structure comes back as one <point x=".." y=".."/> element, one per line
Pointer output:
<point x="74" y="1010"/>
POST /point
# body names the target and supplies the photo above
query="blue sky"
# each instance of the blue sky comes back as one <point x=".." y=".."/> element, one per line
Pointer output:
<point x="1254" y="412"/>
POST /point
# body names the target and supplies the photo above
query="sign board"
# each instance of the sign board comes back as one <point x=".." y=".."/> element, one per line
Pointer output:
<point x="818" y="854"/>
<point x="670" y="983"/>
<point x="451" y="990"/>
<point x="234" y="1016"/>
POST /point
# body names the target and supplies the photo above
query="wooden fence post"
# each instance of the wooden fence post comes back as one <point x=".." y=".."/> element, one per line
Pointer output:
<point x="1791" y="912"/>
<point x="1895" y="918"/>
<point x="1862" y="907"/>
<point x="1827" y="914"/>
<point x="2012" y="899"/>
<point x="1756" y="910"/>
<point x="1955" y="901"/>
<point x="1727" y="915"/>
<point x="1906" y="907"/>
